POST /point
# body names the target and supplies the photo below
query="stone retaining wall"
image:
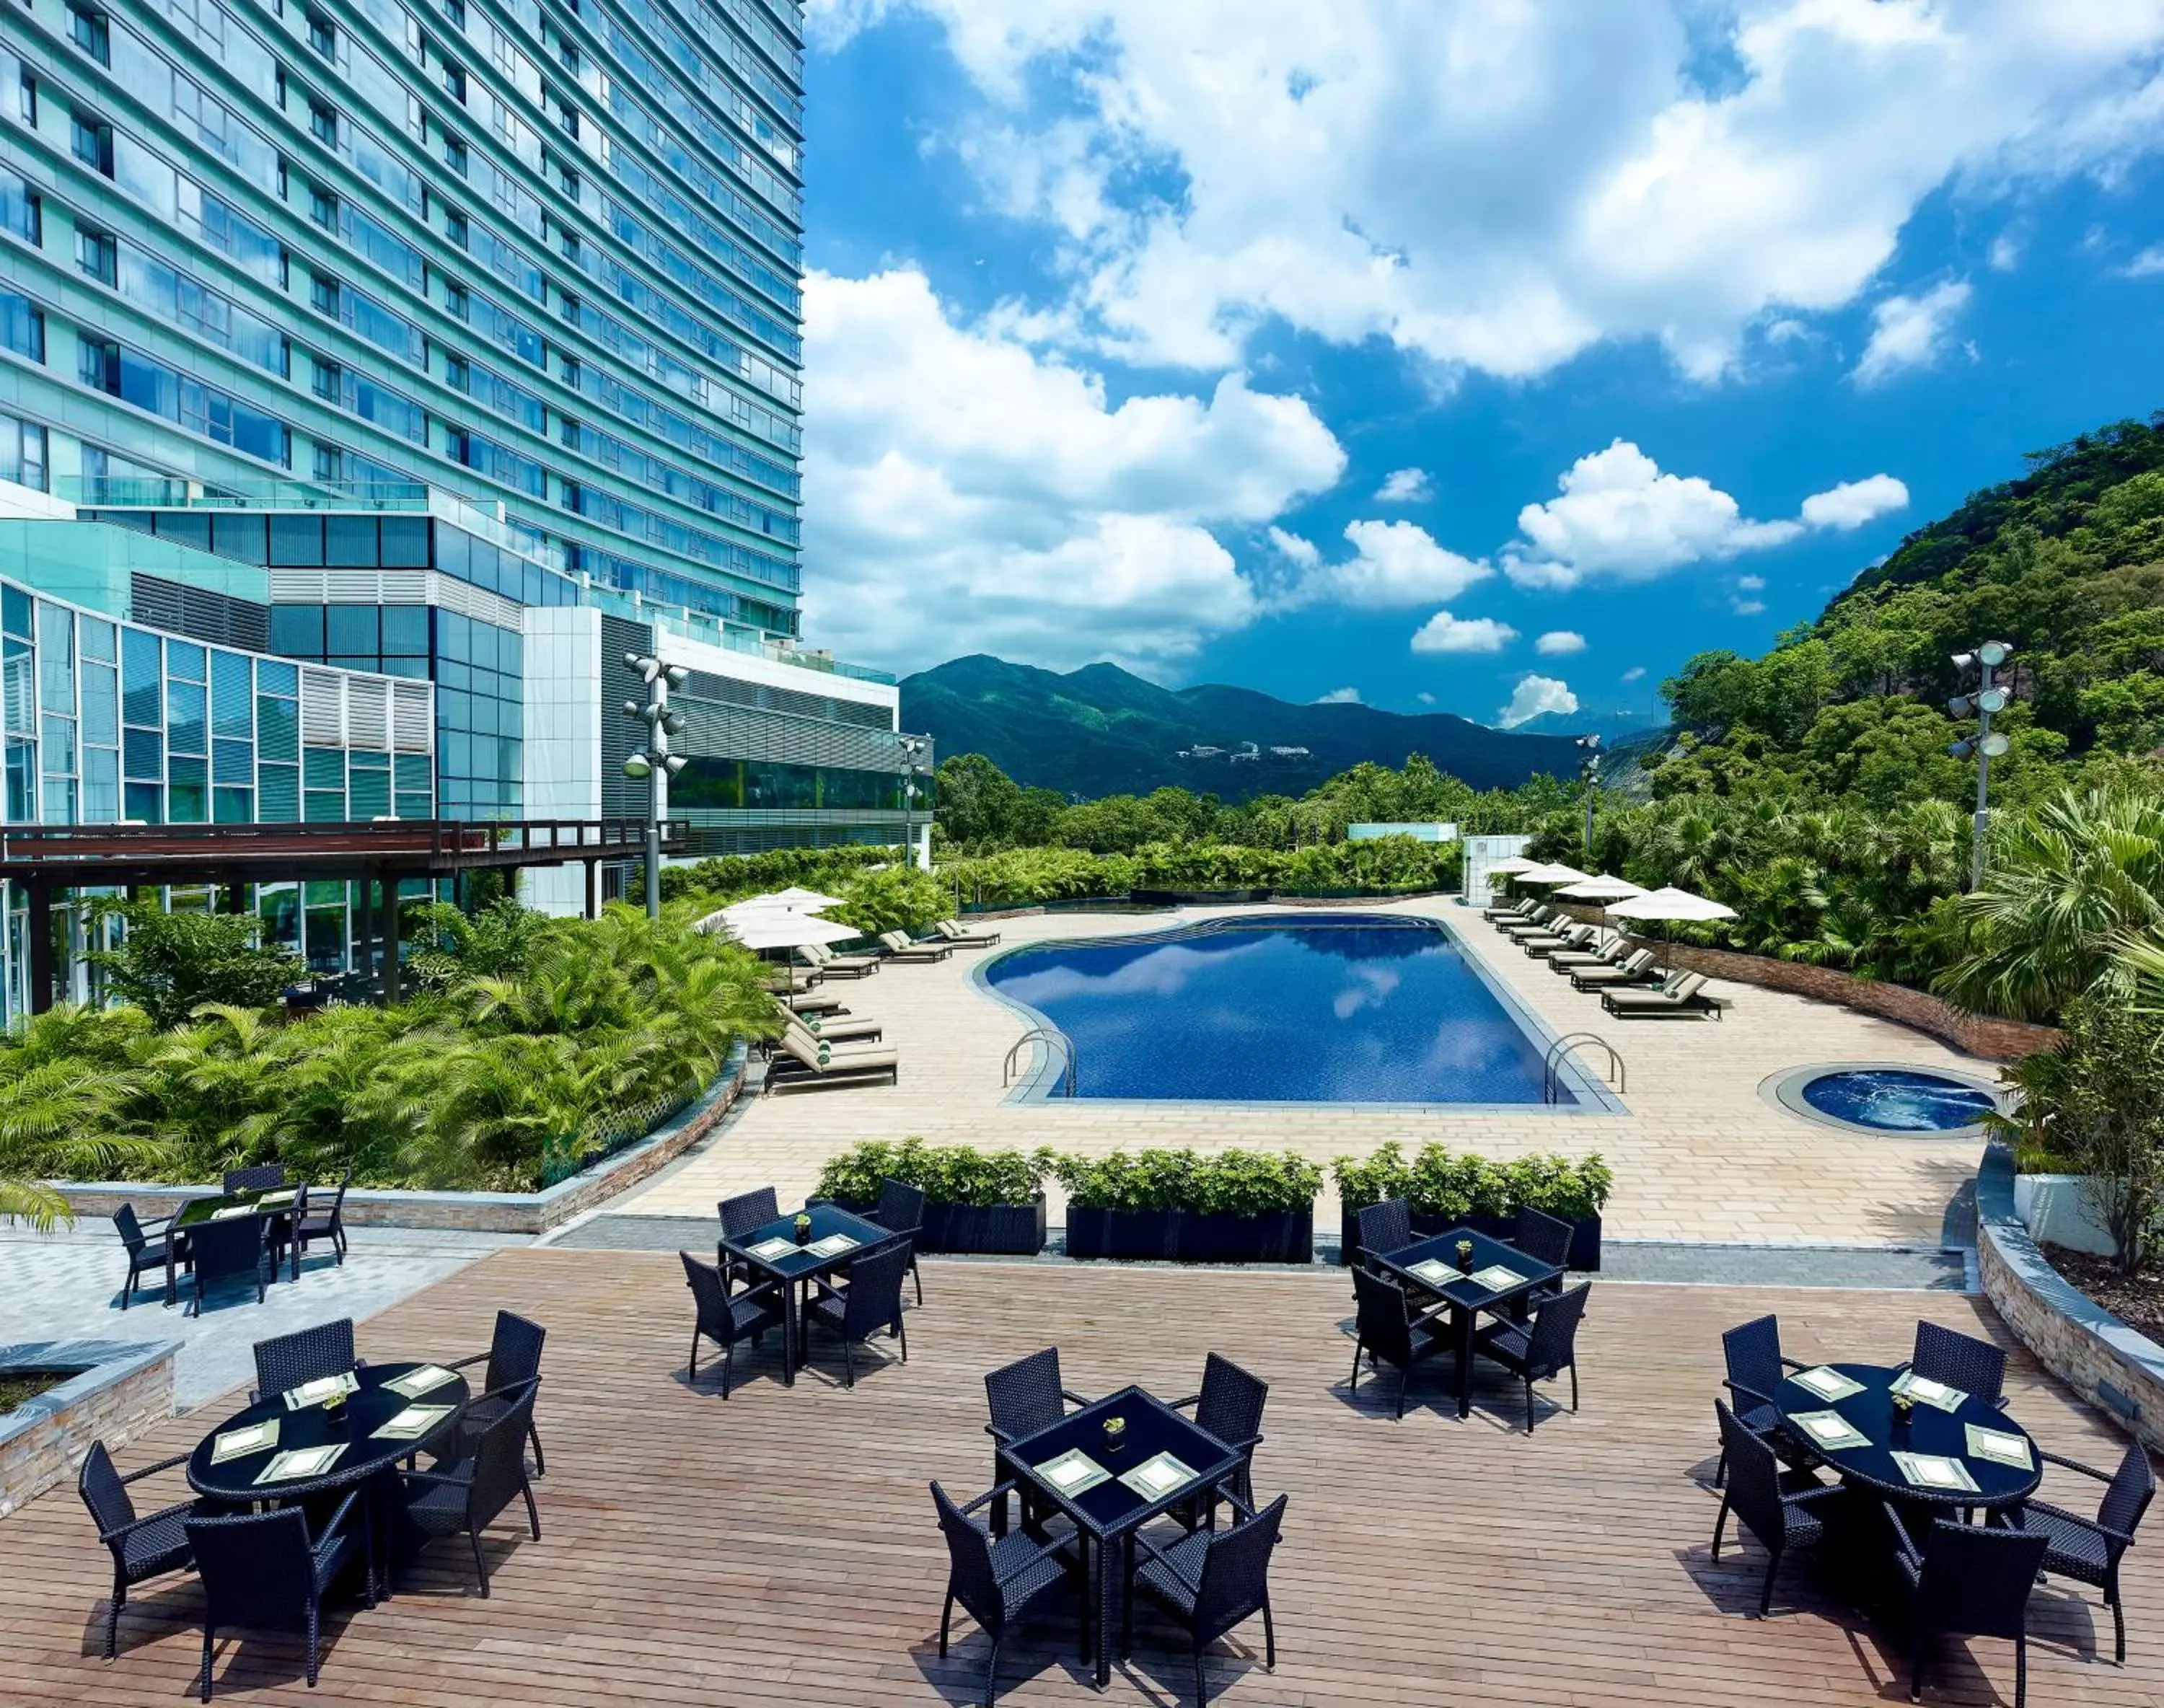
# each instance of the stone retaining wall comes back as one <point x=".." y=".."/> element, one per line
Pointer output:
<point x="125" y="1388"/>
<point x="475" y="1212"/>
<point x="2108" y="1363"/>
<point x="1977" y="1034"/>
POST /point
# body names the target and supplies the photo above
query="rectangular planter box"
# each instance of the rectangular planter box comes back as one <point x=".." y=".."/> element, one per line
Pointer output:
<point x="1185" y="1236"/>
<point x="974" y="1230"/>
<point x="1584" y="1239"/>
<point x="121" y="1389"/>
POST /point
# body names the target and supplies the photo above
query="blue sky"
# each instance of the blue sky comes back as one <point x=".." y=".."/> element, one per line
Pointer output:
<point x="1666" y="316"/>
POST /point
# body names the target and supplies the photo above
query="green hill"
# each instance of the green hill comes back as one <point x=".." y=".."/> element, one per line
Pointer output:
<point x="1101" y="730"/>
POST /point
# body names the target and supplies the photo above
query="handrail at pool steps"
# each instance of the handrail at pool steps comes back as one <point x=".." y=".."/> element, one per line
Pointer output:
<point x="1564" y="1048"/>
<point x="1054" y="1042"/>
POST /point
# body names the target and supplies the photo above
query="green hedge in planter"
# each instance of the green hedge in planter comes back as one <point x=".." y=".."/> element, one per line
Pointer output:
<point x="946" y="1173"/>
<point x="1441" y="1183"/>
<point x="1231" y="1182"/>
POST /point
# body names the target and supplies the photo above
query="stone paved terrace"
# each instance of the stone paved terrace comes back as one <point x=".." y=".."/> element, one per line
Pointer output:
<point x="1699" y="1157"/>
<point x="780" y="1547"/>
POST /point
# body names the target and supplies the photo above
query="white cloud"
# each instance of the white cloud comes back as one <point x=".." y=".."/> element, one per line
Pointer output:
<point x="965" y="493"/>
<point x="1533" y="696"/>
<point x="2148" y="263"/>
<point x="1445" y="634"/>
<point x="1499" y="185"/>
<point x="1753" y="583"/>
<point x="1339" y="697"/>
<point x="1559" y="643"/>
<point x="1424" y="697"/>
<point x="1296" y="549"/>
<point x="1911" y="332"/>
<point x="1404" y="487"/>
<point x="1749" y="608"/>
<point x="2005" y="253"/>
<point x="1394" y="564"/>
<point x="1854" y="503"/>
<point x="1636" y="672"/>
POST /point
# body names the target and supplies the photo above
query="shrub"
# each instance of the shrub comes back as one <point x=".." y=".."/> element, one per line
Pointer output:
<point x="1232" y="1182"/>
<point x="947" y="1174"/>
<point x="169" y="964"/>
<point x="1440" y="1183"/>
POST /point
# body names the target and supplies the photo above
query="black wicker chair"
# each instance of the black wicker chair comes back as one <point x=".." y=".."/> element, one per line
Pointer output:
<point x="745" y="1213"/>
<point x="1755" y="1371"/>
<point x="468" y="1494"/>
<point x="1540" y="1235"/>
<point x="1541" y="1348"/>
<point x="1024" y="1397"/>
<point x="1209" y="1581"/>
<point x="1388" y="1332"/>
<point x="307" y="1355"/>
<point x="312" y="1224"/>
<point x="1772" y="1504"/>
<point x="1961" y="1361"/>
<point x="218" y="1250"/>
<point x="1230" y="1406"/>
<point x="148" y="1248"/>
<point x="871" y="1304"/>
<point x="513" y="1356"/>
<point x="283" y="1232"/>
<point x="1385" y="1228"/>
<point x="1967" y="1580"/>
<point x="999" y="1579"/>
<point x="902" y="1211"/>
<point x="265" y="1177"/>
<point x="728" y="1319"/>
<point x="2088" y="1550"/>
<point x="144" y="1545"/>
<point x="271" y="1568"/>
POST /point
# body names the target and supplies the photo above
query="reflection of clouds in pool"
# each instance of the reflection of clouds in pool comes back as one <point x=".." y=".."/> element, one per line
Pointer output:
<point x="1372" y="988"/>
<point x="1162" y="972"/>
<point x="1462" y="1050"/>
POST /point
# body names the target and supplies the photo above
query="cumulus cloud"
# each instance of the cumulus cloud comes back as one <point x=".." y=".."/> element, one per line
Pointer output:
<point x="1495" y="185"/>
<point x="1295" y="549"/>
<point x="954" y="476"/>
<point x="1339" y="697"/>
<point x="1854" y="503"/>
<point x="1749" y="608"/>
<point x="1424" y="697"/>
<point x="1911" y="332"/>
<point x="1559" y="643"/>
<point x="1752" y="584"/>
<point x="1404" y="487"/>
<point x="1533" y="696"/>
<point x="1394" y="564"/>
<point x="1445" y="634"/>
<point x="1636" y="672"/>
<point x="2147" y="264"/>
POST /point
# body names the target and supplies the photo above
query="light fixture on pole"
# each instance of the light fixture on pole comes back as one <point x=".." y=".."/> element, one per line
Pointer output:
<point x="655" y="762"/>
<point x="1990" y="697"/>
<point x="913" y="749"/>
<point x="1589" y="777"/>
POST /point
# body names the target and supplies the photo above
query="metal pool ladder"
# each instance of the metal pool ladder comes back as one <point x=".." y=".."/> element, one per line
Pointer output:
<point x="1564" y="1048"/>
<point x="1055" y="1042"/>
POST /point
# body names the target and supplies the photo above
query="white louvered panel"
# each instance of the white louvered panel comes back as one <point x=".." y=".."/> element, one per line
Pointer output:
<point x="352" y="587"/>
<point x="322" y="708"/>
<point x="368" y="711"/>
<point x="470" y="601"/>
<point x="298" y="587"/>
<point x="402" y="588"/>
<point x="412" y="718"/>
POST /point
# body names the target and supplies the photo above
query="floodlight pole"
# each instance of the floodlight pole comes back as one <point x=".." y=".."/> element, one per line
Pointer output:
<point x="1988" y="698"/>
<point x="1589" y="774"/>
<point x="654" y="764"/>
<point x="912" y="750"/>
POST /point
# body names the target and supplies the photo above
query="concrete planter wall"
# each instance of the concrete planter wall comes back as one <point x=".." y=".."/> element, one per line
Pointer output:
<point x="122" y="1389"/>
<point x="2106" y="1361"/>
<point x="476" y="1213"/>
<point x="2057" y="1210"/>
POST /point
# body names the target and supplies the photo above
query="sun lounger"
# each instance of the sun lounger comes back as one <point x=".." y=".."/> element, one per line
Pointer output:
<point x="859" y="1031"/>
<point x="1518" y="909"/>
<point x="1540" y="947"/>
<point x="1608" y="954"/>
<point x="899" y="947"/>
<point x="962" y="937"/>
<point x="1688" y="996"/>
<point x="815" y="1002"/>
<point x="1547" y="923"/>
<point x="801" y="1066"/>
<point x="833" y="966"/>
<point x="1637" y="970"/>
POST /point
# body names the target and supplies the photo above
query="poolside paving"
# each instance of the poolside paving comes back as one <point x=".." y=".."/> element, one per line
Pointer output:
<point x="1699" y="1157"/>
<point x="780" y="1547"/>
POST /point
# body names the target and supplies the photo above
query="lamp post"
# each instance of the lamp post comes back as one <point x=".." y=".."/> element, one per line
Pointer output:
<point x="913" y="749"/>
<point x="1988" y="698"/>
<point x="1588" y="776"/>
<point x="655" y="762"/>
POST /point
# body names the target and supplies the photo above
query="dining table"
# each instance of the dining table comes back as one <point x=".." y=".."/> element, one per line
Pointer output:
<point x="277" y="1203"/>
<point x="1111" y="1481"/>
<point x="1491" y="1275"/>
<point x="833" y="1239"/>
<point x="1950" y="1452"/>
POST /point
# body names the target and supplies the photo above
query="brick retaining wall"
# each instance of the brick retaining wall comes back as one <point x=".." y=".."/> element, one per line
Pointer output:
<point x="126" y="1387"/>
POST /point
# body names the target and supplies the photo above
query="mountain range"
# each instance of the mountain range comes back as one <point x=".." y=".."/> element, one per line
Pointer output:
<point x="1101" y="730"/>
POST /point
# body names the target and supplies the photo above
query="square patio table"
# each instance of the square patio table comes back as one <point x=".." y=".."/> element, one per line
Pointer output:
<point x="1464" y="1298"/>
<point x="800" y="1264"/>
<point x="276" y="1202"/>
<point x="1111" y="1511"/>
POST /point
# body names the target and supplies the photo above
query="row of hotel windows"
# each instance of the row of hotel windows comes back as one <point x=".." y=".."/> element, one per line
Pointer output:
<point x="713" y="785"/>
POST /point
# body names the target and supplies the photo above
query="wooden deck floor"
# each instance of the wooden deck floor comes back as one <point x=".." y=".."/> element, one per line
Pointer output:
<point x="780" y="1549"/>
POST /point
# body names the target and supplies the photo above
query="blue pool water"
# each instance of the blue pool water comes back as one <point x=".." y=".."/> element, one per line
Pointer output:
<point x="1355" y="1009"/>
<point x="1896" y="1101"/>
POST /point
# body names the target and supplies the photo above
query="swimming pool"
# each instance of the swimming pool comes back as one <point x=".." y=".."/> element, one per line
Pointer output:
<point x="1355" y="1008"/>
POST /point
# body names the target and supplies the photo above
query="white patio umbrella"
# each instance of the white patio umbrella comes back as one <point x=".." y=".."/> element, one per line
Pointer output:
<point x="782" y="904"/>
<point x="1602" y="888"/>
<point x="1511" y="865"/>
<point x="780" y="928"/>
<point x="1551" y="874"/>
<point x="1670" y="903"/>
<point x="798" y="898"/>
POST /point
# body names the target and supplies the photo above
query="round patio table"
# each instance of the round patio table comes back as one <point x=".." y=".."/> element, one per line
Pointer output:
<point x="1930" y="1431"/>
<point x="365" y="1454"/>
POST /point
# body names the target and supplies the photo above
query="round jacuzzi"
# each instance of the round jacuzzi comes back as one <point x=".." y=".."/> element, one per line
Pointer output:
<point x="1894" y="1099"/>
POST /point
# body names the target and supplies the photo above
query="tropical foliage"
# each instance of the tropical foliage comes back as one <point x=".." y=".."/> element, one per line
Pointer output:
<point x="946" y="1173"/>
<point x="1227" y="1182"/>
<point x="1440" y="1182"/>
<point x="167" y="963"/>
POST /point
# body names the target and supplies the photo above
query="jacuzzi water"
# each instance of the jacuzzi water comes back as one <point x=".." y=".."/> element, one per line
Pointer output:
<point x="1894" y="1100"/>
<point x="1353" y="1009"/>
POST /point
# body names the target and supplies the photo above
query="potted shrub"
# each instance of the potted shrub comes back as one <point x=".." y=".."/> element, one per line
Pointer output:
<point x="1452" y="1190"/>
<point x="1232" y="1206"/>
<point x="981" y="1202"/>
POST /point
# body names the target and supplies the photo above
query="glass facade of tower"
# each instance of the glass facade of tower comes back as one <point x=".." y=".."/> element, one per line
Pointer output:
<point x="543" y="256"/>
